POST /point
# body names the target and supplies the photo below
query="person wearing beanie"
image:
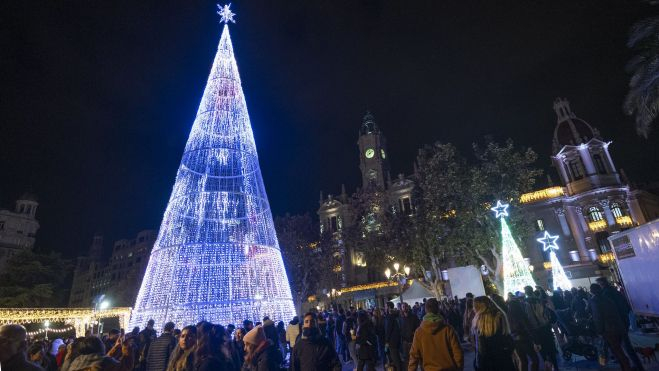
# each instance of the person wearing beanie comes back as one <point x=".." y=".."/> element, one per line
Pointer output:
<point x="260" y="354"/>
<point x="435" y="345"/>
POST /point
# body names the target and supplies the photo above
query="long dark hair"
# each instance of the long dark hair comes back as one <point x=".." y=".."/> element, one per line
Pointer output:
<point x="209" y="341"/>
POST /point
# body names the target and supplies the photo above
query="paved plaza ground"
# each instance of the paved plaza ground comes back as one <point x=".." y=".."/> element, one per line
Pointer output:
<point x="577" y="364"/>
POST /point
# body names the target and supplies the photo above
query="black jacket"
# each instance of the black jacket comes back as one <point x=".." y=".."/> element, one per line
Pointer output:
<point x="159" y="352"/>
<point x="408" y="326"/>
<point x="314" y="354"/>
<point x="392" y="330"/>
<point x="622" y="306"/>
<point x="605" y="316"/>
<point x="19" y="362"/>
<point x="367" y="342"/>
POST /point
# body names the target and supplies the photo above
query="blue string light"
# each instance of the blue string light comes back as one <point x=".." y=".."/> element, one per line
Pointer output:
<point x="217" y="257"/>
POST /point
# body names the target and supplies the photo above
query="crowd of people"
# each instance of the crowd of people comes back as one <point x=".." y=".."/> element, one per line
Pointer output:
<point x="520" y="333"/>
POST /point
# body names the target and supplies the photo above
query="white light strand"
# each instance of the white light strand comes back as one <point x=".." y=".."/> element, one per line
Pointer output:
<point x="50" y="330"/>
<point x="217" y="257"/>
<point x="516" y="272"/>
<point x="559" y="278"/>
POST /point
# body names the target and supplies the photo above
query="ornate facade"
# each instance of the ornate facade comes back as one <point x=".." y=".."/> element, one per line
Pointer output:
<point x="118" y="278"/>
<point x="18" y="228"/>
<point x="335" y="213"/>
<point x="593" y="201"/>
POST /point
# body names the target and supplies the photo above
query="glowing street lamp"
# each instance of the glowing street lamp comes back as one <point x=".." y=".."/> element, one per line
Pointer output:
<point x="398" y="276"/>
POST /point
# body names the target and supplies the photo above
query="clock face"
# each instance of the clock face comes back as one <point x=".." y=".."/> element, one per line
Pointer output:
<point x="383" y="154"/>
<point x="369" y="153"/>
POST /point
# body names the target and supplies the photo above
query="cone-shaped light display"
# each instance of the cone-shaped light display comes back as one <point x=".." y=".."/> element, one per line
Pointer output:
<point x="559" y="278"/>
<point x="217" y="257"/>
<point x="516" y="273"/>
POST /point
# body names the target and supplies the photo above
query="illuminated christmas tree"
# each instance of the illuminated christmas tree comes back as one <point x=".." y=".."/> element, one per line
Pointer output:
<point x="216" y="257"/>
<point x="516" y="273"/>
<point x="559" y="278"/>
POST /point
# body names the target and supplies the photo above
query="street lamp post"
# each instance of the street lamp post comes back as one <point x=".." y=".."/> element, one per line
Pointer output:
<point x="399" y="277"/>
<point x="46" y="325"/>
<point x="333" y="294"/>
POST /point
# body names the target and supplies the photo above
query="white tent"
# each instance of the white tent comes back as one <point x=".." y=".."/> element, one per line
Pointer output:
<point x="415" y="293"/>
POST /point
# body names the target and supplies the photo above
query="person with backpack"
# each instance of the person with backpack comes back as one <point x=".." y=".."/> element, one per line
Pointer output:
<point x="436" y="345"/>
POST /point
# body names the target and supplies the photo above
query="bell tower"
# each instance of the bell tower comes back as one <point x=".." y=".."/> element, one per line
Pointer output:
<point x="373" y="161"/>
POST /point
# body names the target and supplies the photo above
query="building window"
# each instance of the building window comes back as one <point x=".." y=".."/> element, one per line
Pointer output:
<point x="599" y="164"/>
<point x="21" y="209"/>
<point x="405" y="205"/>
<point x="2" y="225"/>
<point x="540" y="224"/>
<point x="616" y="210"/>
<point x="333" y="223"/>
<point x="594" y="214"/>
<point x="575" y="170"/>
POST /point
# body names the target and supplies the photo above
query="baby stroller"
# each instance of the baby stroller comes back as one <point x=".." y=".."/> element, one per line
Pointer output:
<point x="580" y="338"/>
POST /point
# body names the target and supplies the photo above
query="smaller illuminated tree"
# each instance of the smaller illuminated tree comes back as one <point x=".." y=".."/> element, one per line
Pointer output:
<point x="516" y="273"/>
<point x="559" y="278"/>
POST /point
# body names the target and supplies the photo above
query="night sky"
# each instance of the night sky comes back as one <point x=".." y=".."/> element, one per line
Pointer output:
<point x="97" y="97"/>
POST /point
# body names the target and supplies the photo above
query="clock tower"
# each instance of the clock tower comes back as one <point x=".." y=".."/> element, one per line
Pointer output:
<point x="372" y="154"/>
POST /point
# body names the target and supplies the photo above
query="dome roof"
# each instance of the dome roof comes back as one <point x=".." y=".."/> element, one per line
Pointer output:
<point x="570" y="130"/>
<point x="573" y="131"/>
<point x="28" y="196"/>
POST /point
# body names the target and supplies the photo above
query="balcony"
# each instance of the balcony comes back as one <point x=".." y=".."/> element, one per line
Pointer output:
<point x="624" y="221"/>
<point x="597" y="226"/>
<point x="543" y="194"/>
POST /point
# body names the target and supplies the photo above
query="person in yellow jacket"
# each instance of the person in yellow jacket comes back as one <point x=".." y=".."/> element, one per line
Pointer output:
<point x="436" y="346"/>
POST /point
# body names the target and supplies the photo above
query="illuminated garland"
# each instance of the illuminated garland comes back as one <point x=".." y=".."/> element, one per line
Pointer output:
<point x="624" y="220"/>
<point x="217" y="257"/>
<point x="80" y="318"/>
<point x="597" y="225"/>
<point x="370" y="286"/>
<point x="543" y="194"/>
<point x="50" y="330"/>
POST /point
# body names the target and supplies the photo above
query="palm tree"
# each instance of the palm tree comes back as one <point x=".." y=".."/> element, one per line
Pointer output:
<point x="642" y="100"/>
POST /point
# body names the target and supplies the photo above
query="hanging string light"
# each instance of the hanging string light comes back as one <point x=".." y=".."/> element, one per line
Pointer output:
<point x="50" y="330"/>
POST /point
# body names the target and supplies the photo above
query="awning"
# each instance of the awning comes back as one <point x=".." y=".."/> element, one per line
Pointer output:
<point x="415" y="293"/>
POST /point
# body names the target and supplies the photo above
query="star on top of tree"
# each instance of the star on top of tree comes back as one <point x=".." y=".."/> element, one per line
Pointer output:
<point x="501" y="210"/>
<point x="226" y="15"/>
<point x="548" y="241"/>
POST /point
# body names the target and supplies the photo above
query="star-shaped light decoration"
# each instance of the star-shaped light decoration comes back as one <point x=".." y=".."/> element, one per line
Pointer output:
<point x="501" y="210"/>
<point x="548" y="241"/>
<point x="226" y="15"/>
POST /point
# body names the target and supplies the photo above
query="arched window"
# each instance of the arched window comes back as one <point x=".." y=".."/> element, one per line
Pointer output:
<point x="599" y="164"/>
<point x="616" y="210"/>
<point x="594" y="214"/>
<point x="575" y="169"/>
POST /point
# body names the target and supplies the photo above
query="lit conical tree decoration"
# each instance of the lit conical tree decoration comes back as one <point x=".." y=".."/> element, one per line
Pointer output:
<point x="217" y="257"/>
<point x="516" y="273"/>
<point x="559" y="278"/>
